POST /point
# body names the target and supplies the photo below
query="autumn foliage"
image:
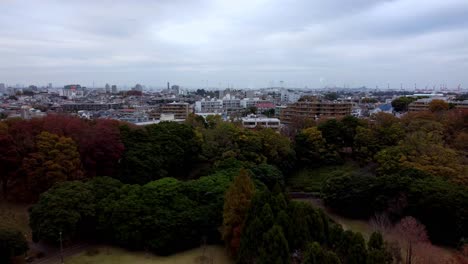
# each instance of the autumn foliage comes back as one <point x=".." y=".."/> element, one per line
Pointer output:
<point x="40" y="152"/>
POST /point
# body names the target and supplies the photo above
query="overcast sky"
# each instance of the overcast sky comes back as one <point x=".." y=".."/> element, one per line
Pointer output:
<point x="244" y="43"/>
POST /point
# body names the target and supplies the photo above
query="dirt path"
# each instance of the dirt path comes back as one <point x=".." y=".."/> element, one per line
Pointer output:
<point x="54" y="257"/>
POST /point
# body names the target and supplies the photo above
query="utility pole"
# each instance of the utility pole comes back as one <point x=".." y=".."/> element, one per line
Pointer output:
<point x="61" y="248"/>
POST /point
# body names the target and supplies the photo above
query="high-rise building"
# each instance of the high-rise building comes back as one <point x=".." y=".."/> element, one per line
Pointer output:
<point x="114" y="89"/>
<point x="2" y="88"/>
<point x="49" y="86"/>
<point x="73" y="90"/>
<point x="221" y="94"/>
<point x="108" y="88"/>
<point x="138" y="87"/>
<point x="175" y="89"/>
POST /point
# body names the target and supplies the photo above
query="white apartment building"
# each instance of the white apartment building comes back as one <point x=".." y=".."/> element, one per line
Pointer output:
<point x="212" y="106"/>
<point x="252" y="121"/>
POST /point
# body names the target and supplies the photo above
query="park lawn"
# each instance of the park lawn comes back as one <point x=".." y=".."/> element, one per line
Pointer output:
<point x="311" y="179"/>
<point x="111" y="255"/>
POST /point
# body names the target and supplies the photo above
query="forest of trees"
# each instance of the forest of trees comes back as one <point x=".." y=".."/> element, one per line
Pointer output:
<point x="166" y="187"/>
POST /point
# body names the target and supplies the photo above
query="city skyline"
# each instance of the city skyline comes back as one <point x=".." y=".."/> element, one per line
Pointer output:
<point x="248" y="44"/>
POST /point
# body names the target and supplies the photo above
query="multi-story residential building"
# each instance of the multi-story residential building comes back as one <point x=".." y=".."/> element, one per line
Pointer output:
<point x="290" y="97"/>
<point x="420" y="105"/>
<point x="180" y="110"/>
<point x="72" y="91"/>
<point x="255" y="122"/>
<point x="423" y="104"/>
<point x="27" y="112"/>
<point x="279" y="109"/>
<point x="314" y="109"/>
<point x="231" y="106"/>
<point x="73" y="107"/>
<point x="211" y="106"/>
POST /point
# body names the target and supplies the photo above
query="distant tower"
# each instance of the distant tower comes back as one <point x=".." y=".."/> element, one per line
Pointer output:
<point x="168" y="86"/>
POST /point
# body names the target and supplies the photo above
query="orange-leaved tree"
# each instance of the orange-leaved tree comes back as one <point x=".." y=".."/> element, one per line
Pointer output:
<point x="236" y="205"/>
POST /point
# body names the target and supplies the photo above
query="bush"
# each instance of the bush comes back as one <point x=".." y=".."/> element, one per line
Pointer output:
<point x="12" y="243"/>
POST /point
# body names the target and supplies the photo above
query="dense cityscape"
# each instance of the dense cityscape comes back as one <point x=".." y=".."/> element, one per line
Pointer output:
<point x="269" y="107"/>
<point x="234" y="132"/>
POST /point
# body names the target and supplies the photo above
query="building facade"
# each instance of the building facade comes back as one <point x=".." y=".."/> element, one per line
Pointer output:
<point x="256" y="122"/>
<point x="212" y="106"/>
<point x="180" y="110"/>
<point x="315" y="109"/>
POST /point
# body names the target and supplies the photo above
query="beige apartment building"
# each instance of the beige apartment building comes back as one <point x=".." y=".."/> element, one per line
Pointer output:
<point x="423" y="104"/>
<point x="180" y="110"/>
<point x="314" y="109"/>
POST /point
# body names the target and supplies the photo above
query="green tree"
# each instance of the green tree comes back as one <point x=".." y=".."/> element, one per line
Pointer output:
<point x="275" y="249"/>
<point x="249" y="248"/>
<point x="157" y="151"/>
<point x="378" y="253"/>
<point x="401" y="103"/>
<point x="349" y="127"/>
<point x="310" y="147"/>
<point x="268" y="174"/>
<point x="366" y="144"/>
<point x="332" y="131"/>
<point x="315" y="254"/>
<point x="236" y="205"/>
<point x="12" y="243"/>
<point x="68" y="208"/>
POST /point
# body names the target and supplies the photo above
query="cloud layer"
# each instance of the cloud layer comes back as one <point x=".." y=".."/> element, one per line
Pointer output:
<point x="245" y="43"/>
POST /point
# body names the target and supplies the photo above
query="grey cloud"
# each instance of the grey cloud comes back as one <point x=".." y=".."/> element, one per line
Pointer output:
<point x="249" y="42"/>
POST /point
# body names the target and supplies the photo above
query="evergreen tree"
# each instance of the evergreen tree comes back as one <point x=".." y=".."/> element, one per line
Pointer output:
<point x="275" y="247"/>
<point x="315" y="254"/>
<point x="249" y="249"/>
<point x="375" y="241"/>
<point x="236" y="205"/>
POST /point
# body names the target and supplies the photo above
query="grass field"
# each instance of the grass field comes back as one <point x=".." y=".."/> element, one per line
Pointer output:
<point x="311" y="180"/>
<point x="111" y="255"/>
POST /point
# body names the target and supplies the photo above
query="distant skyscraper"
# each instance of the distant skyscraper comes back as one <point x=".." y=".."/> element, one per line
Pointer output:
<point x="108" y="88"/>
<point x="2" y="88"/>
<point x="250" y="94"/>
<point x="138" y="87"/>
<point x="114" y="89"/>
<point x="49" y="86"/>
<point x="221" y="94"/>
<point x="175" y="89"/>
<point x="72" y="91"/>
